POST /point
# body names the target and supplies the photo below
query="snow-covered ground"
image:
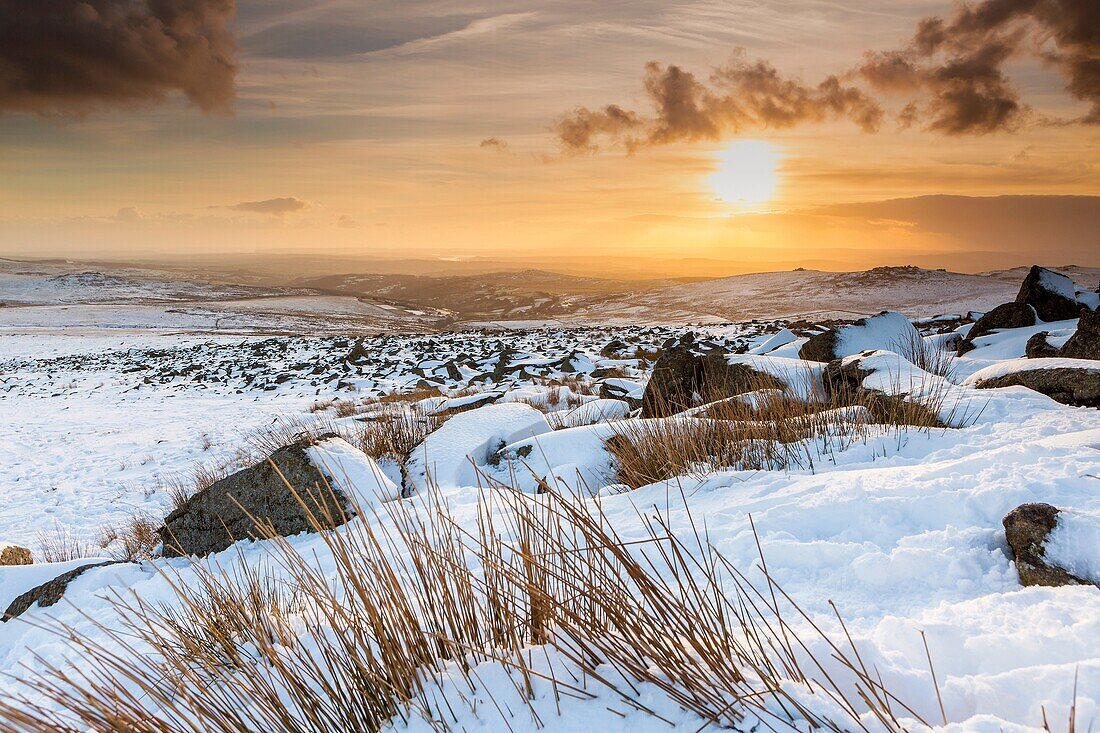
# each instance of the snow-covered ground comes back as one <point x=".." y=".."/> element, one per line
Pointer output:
<point x="901" y="530"/>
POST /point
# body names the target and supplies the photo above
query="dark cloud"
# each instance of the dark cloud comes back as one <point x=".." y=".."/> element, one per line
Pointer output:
<point x="73" y="56"/>
<point x="272" y="207"/>
<point x="740" y="95"/>
<point x="957" y="63"/>
<point x="578" y="129"/>
<point x="951" y="74"/>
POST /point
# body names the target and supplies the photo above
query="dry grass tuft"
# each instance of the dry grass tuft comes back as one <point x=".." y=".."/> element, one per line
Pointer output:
<point x="137" y="538"/>
<point x="767" y="429"/>
<point x="414" y="602"/>
<point x="59" y="545"/>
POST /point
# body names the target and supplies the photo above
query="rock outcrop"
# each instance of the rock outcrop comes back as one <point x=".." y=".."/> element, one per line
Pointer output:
<point x="1027" y="529"/>
<point x="887" y="330"/>
<point x="682" y="378"/>
<point x="255" y="502"/>
<point x="1050" y="293"/>
<point x="1085" y="342"/>
<point x="50" y="592"/>
<point x="1068" y="385"/>
<point x="1008" y="315"/>
<point x="1038" y="347"/>
<point x="15" y="555"/>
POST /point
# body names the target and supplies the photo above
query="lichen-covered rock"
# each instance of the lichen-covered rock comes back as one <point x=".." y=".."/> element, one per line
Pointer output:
<point x="15" y="555"/>
<point x="1050" y="293"/>
<point x="50" y="592"/>
<point x="229" y="510"/>
<point x="1085" y="342"/>
<point x="1027" y="529"/>
<point x="1068" y="385"/>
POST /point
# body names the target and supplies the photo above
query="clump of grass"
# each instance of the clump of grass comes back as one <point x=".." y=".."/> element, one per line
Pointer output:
<point x="136" y="539"/>
<point x="400" y="623"/>
<point x="60" y="545"/>
<point x="395" y="434"/>
<point x="932" y="359"/>
<point x="414" y="395"/>
<point x="769" y="429"/>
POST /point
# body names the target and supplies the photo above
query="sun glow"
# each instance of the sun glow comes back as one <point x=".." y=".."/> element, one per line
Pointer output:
<point x="747" y="173"/>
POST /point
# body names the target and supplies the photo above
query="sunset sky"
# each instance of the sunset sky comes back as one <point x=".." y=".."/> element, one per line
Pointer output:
<point x="764" y="133"/>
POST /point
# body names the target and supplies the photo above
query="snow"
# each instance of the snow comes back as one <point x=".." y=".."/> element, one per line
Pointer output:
<point x="901" y="529"/>
<point x="891" y="331"/>
<point x="353" y="472"/>
<point x="15" y="580"/>
<point x="444" y="458"/>
<point x="1057" y="283"/>
<point x="601" y="410"/>
<point x="1074" y="544"/>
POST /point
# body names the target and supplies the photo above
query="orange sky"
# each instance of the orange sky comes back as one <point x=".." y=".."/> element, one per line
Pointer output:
<point x="361" y="129"/>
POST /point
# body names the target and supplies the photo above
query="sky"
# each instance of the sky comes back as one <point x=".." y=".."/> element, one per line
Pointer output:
<point x="762" y="134"/>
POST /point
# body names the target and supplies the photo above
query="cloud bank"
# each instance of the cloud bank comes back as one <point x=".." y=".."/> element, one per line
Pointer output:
<point x="74" y="56"/>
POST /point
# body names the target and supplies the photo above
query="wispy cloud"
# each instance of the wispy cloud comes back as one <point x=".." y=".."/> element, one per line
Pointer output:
<point x="272" y="207"/>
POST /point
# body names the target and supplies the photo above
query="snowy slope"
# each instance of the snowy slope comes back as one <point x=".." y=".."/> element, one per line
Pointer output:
<point x="813" y="294"/>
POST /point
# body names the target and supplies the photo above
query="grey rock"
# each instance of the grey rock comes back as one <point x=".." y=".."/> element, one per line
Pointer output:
<point x="1039" y="348"/>
<point x="680" y="374"/>
<point x="1068" y="385"/>
<point x="1038" y="291"/>
<point x="1007" y="315"/>
<point x="50" y="592"/>
<point x="1085" y="342"/>
<point x="1026" y="530"/>
<point x="254" y="503"/>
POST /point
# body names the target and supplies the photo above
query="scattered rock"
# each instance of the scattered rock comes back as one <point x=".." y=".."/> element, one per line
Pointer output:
<point x="1068" y="385"/>
<point x="50" y="592"/>
<point x="228" y="510"/>
<point x="1085" y="342"/>
<point x="1026" y="529"/>
<point x="15" y="555"/>
<point x="1050" y="293"/>
<point x="1039" y="348"/>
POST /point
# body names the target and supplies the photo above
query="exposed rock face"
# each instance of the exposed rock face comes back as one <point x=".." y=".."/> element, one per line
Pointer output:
<point x="1085" y="343"/>
<point x="15" y="555"/>
<point x="887" y="330"/>
<point x="1051" y="294"/>
<point x="228" y="510"/>
<point x="1039" y="348"/>
<point x="680" y="374"/>
<point x="49" y="592"/>
<point x="1026" y="529"/>
<point x="1070" y="386"/>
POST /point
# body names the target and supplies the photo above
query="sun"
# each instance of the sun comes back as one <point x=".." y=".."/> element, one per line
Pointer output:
<point x="747" y="173"/>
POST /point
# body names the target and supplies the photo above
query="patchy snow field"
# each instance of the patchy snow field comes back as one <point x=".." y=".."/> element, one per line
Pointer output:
<point x="901" y="530"/>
